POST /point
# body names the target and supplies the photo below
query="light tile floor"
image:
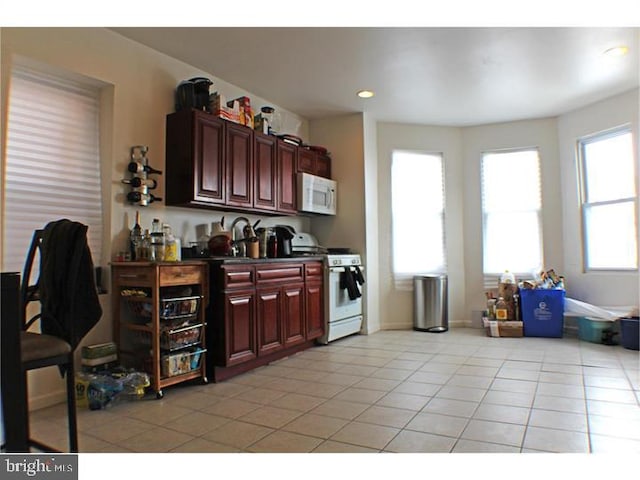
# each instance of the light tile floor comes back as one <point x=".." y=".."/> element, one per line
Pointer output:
<point x="393" y="391"/>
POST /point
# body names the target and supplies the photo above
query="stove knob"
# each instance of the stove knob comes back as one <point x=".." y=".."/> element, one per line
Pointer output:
<point x="336" y="262"/>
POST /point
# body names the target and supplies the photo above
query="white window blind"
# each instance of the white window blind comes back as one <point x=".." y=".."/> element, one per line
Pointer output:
<point x="52" y="160"/>
<point x="511" y="210"/>
<point x="609" y="201"/>
<point x="417" y="198"/>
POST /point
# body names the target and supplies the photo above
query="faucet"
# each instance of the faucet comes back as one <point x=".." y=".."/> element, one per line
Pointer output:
<point x="237" y="243"/>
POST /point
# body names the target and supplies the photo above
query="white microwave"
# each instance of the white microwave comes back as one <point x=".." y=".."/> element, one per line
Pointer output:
<point x="316" y="194"/>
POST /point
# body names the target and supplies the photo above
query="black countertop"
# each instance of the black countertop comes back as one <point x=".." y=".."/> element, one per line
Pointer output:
<point x="244" y="260"/>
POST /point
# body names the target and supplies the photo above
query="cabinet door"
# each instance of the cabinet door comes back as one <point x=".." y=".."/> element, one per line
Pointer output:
<point x="293" y="314"/>
<point x="287" y="155"/>
<point x="240" y="327"/>
<point x="269" y="320"/>
<point x="314" y="309"/>
<point x="265" y="172"/>
<point x="306" y="161"/>
<point x="323" y="166"/>
<point x="209" y="180"/>
<point x="239" y="165"/>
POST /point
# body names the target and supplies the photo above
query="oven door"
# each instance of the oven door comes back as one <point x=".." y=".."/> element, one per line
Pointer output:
<point x="340" y="305"/>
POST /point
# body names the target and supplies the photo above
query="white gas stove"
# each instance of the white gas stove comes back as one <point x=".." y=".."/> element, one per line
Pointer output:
<point x="343" y="281"/>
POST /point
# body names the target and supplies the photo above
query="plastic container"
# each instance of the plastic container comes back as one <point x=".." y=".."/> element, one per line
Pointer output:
<point x="630" y="333"/>
<point x="181" y="362"/>
<point x="542" y="312"/>
<point x="591" y="329"/>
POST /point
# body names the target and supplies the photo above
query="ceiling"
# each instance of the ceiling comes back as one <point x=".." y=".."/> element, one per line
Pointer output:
<point x="431" y="75"/>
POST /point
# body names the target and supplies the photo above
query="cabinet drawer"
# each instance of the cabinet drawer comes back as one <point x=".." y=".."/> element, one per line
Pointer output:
<point x="313" y="269"/>
<point x="133" y="276"/>
<point x="237" y="276"/>
<point x="279" y="272"/>
<point x="181" y="275"/>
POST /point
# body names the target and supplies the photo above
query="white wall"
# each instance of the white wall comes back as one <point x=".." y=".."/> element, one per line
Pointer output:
<point x="396" y="305"/>
<point x="476" y="140"/>
<point x="600" y="288"/>
<point x="139" y="94"/>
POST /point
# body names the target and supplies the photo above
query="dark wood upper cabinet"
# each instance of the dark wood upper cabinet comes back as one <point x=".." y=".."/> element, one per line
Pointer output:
<point x="214" y="163"/>
<point x="239" y="140"/>
<point x="265" y="172"/>
<point x="195" y="161"/>
<point x="310" y="161"/>
<point x="323" y="166"/>
<point x="287" y="159"/>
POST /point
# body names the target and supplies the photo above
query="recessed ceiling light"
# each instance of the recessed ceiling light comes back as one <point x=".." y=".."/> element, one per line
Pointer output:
<point x="365" y="94"/>
<point x="618" y="51"/>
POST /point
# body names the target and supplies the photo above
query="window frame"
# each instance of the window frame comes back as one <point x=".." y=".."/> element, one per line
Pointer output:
<point x="100" y="94"/>
<point x="405" y="279"/>
<point x="585" y="205"/>
<point x="490" y="278"/>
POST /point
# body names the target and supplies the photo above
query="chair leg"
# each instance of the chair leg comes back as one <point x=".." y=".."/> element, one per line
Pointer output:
<point x="71" y="407"/>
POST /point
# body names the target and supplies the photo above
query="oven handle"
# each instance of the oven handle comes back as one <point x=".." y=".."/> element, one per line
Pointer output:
<point x="342" y="269"/>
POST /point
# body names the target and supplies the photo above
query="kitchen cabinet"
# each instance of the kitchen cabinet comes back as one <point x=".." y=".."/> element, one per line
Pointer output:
<point x="217" y="164"/>
<point x="159" y="319"/>
<point x="310" y="161"/>
<point x="266" y="310"/>
<point x="239" y="160"/>
<point x="195" y="160"/>
<point x="314" y="300"/>
<point x="287" y="159"/>
<point x="266" y="172"/>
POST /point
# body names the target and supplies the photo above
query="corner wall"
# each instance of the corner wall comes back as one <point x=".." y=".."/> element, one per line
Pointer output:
<point x="599" y="288"/>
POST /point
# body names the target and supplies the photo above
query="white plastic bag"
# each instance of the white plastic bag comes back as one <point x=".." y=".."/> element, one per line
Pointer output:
<point x="582" y="309"/>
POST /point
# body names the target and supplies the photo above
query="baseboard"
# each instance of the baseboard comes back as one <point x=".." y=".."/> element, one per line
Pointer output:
<point x="409" y="326"/>
<point x="47" y="400"/>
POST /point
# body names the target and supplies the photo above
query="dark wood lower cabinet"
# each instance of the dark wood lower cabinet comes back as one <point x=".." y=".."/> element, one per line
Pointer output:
<point x="240" y="331"/>
<point x="270" y="334"/>
<point x="266" y="310"/>
<point x="293" y="314"/>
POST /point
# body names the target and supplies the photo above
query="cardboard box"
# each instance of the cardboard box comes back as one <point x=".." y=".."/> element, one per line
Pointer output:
<point x="499" y="328"/>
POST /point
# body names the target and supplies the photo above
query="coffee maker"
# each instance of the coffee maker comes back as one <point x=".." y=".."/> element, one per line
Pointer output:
<point x="193" y="93"/>
<point x="284" y="234"/>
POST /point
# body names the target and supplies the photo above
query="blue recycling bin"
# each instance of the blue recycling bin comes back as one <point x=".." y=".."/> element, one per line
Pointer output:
<point x="542" y="312"/>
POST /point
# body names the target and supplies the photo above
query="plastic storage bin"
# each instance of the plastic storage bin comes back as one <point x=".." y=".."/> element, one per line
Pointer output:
<point x="542" y="312"/>
<point x="630" y="333"/>
<point x="592" y="329"/>
<point x="180" y="363"/>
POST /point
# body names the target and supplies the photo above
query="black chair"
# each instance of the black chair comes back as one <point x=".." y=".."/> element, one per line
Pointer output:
<point x="69" y="308"/>
<point x="39" y="350"/>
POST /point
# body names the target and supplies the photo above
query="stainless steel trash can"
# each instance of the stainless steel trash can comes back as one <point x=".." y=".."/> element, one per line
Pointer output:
<point x="430" y="303"/>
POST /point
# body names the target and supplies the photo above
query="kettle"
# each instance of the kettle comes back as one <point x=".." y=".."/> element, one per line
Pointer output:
<point x="193" y="93"/>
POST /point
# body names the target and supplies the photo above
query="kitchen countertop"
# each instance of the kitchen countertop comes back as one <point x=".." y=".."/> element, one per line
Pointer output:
<point x="244" y="260"/>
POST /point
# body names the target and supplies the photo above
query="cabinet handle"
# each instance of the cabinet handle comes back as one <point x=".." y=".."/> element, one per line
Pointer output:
<point x="130" y="275"/>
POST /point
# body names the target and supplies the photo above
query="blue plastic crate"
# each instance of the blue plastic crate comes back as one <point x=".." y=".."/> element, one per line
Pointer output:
<point x="542" y="312"/>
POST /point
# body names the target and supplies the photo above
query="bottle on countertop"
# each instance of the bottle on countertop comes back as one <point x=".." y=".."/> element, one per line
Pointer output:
<point x="170" y="244"/>
<point x="135" y="239"/>
<point x="501" y="309"/>
<point x="157" y="240"/>
<point x="146" y="252"/>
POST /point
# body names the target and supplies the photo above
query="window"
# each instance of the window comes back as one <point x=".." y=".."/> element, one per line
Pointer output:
<point x="417" y="208"/>
<point x="609" y="201"/>
<point x="52" y="160"/>
<point x="511" y="212"/>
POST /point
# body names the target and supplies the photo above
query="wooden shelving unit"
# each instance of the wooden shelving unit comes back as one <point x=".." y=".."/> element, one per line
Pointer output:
<point x="159" y="319"/>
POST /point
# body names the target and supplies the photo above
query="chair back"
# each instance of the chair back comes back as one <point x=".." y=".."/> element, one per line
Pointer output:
<point x="30" y="292"/>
